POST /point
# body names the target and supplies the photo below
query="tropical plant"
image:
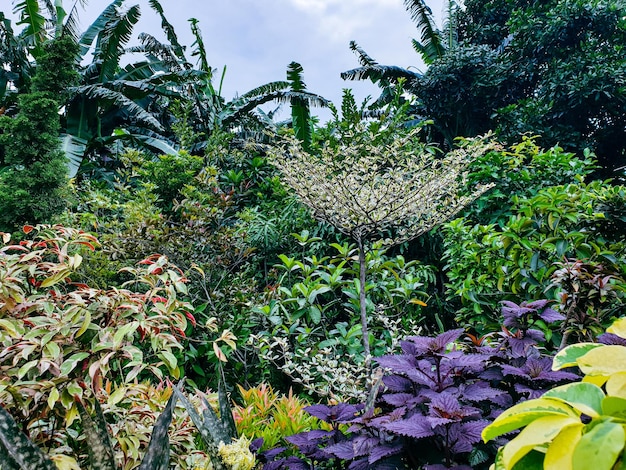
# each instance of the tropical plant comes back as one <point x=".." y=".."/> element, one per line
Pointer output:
<point x="265" y="414"/>
<point x="33" y="176"/>
<point x="578" y="425"/>
<point x="311" y="316"/>
<point x="435" y="398"/>
<point x="368" y="192"/>
<point x="490" y="263"/>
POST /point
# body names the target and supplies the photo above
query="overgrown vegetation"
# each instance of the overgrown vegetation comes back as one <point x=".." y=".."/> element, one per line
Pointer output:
<point x="389" y="290"/>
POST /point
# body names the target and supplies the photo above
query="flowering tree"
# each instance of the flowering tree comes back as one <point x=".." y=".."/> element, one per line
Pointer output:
<point x="372" y="189"/>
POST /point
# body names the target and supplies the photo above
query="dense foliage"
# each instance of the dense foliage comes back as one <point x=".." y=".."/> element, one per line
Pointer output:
<point x="304" y="286"/>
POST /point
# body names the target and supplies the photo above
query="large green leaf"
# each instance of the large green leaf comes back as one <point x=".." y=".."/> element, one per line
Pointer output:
<point x="568" y="356"/>
<point x="74" y="148"/>
<point x="584" y="397"/>
<point x="92" y="32"/>
<point x="19" y="452"/>
<point x="169" y="30"/>
<point x="599" y="448"/>
<point x="524" y="413"/>
<point x="35" y="32"/>
<point x="430" y="46"/>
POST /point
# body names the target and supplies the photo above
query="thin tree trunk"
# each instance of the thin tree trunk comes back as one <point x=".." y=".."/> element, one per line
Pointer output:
<point x="363" y="303"/>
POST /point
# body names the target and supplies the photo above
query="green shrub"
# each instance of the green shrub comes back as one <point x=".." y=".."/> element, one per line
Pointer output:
<point x="486" y="264"/>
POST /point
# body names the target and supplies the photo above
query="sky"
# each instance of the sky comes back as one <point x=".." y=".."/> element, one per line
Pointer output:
<point x="257" y="39"/>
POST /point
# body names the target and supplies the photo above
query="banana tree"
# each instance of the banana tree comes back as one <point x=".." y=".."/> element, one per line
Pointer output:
<point x="433" y="44"/>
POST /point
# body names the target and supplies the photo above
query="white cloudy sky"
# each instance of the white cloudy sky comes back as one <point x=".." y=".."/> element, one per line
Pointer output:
<point x="257" y="39"/>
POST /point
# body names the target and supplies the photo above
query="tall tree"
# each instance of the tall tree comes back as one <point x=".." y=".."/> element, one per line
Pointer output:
<point x="380" y="185"/>
<point x="554" y="68"/>
<point x="34" y="174"/>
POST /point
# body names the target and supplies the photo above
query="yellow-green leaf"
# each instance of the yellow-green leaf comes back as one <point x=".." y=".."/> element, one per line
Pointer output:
<point x="604" y="360"/>
<point x="524" y="413"/>
<point x="599" y="448"/>
<point x="616" y="385"/>
<point x="85" y="325"/>
<point x="560" y="453"/>
<point x="618" y="327"/>
<point x="584" y="397"/>
<point x="64" y="462"/>
<point x="538" y="432"/>
<point x="53" y="397"/>
<point x="55" y="278"/>
<point x="568" y="356"/>
<point x="116" y="396"/>
<point x="169" y="359"/>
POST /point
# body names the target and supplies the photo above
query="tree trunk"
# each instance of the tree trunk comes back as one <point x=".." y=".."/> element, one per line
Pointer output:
<point x="363" y="303"/>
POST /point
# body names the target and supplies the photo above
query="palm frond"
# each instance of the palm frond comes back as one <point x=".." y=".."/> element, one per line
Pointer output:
<point x="118" y="99"/>
<point x="70" y="25"/>
<point x="431" y="44"/>
<point x="34" y="34"/>
<point x="392" y="73"/>
<point x="364" y="59"/>
<point x="262" y="90"/>
<point x="170" y="33"/>
<point x="164" y="52"/>
<point x="199" y="51"/>
<point x="112" y="40"/>
<point x="294" y="76"/>
<point x="144" y="138"/>
<point x="74" y="148"/>
<point x="94" y="30"/>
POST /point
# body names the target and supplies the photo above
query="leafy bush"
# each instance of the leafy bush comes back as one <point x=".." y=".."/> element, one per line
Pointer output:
<point x="578" y="425"/>
<point x="63" y="340"/>
<point x="313" y="331"/>
<point x="265" y="414"/>
<point x="487" y="263"/>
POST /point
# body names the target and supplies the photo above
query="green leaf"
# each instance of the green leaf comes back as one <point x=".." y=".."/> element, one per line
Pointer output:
<point x="538" y="432"/>
<point x="599" y="448"/>
<point x="568" y="356"/>
<point x="69" y="364"/>
<point x="584" y="397"/>
<point x="524" y="413"/>
<point x="615" y="407"/>
<point x="169" y="359"/>
<point x="16" y="450"/>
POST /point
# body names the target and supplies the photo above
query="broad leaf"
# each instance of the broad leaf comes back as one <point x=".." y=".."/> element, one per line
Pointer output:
<point x="599" y="448"/>
<point x="584" y="397"/>
<point x="524" y="413"/>
<point x="559" y="455"/>
<point x="568" y="357"/>
<point x="538" y="432"/>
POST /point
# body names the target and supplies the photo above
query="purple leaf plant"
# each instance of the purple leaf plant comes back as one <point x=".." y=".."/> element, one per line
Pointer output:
<point x="437" y="396"/>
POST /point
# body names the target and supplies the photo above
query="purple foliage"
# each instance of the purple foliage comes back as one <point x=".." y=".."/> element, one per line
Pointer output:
<point x="437" y="397"/>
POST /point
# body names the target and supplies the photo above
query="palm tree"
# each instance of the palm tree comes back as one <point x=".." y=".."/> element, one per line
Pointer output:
<point x="433" y="44"/>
